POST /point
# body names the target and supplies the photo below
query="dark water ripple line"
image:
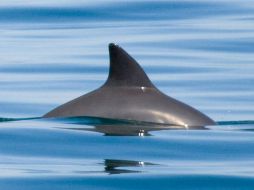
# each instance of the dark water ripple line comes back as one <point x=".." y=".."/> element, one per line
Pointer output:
<point x="240" y="122"/>
<point x="120" y="12"/>
<point x="6" y="119"/>
<point x="85" y="120"/>
<point x="100" y="120"/>
<point x="183" y="182"/>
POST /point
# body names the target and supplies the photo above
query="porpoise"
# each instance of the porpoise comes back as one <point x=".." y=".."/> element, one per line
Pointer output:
<point x="129" y="94"/>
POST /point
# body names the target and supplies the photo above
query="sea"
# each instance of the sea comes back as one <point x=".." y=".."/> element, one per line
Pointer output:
<point x="200" y="52"/>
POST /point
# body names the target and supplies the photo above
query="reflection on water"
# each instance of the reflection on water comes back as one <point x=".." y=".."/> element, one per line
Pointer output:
<point x="106" y="126"/>
<point x="65" y="167"/>
<point x="115" y="166"/>
<point x="120" y="127"/>
<point x="112" y="127"/>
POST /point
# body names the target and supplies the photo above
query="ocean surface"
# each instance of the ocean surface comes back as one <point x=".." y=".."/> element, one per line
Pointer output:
<point x="199" y="52"/>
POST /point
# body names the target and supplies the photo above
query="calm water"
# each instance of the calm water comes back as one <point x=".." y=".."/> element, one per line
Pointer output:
<point x="200" y="52"/>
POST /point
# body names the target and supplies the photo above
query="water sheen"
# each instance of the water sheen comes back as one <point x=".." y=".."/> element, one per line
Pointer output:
<point x="200" y="52"/>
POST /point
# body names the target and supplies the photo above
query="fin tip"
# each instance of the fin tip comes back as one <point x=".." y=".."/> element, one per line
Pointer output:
<point x="112" y="45"/>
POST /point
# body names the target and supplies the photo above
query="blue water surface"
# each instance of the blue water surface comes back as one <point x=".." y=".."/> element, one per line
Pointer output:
<point x="200" y="52"/>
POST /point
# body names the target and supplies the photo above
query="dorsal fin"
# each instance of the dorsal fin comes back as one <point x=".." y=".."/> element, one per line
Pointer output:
<point x="124" y="70"/>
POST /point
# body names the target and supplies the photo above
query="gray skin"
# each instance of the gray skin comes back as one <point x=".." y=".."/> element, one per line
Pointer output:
<point x="130" y="95"/>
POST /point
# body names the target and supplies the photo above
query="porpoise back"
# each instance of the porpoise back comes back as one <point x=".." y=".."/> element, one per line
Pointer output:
<point x="129" y="94"/>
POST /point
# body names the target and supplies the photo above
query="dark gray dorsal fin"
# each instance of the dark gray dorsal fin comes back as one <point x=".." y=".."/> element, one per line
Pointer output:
<point x="124" y="70"/>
